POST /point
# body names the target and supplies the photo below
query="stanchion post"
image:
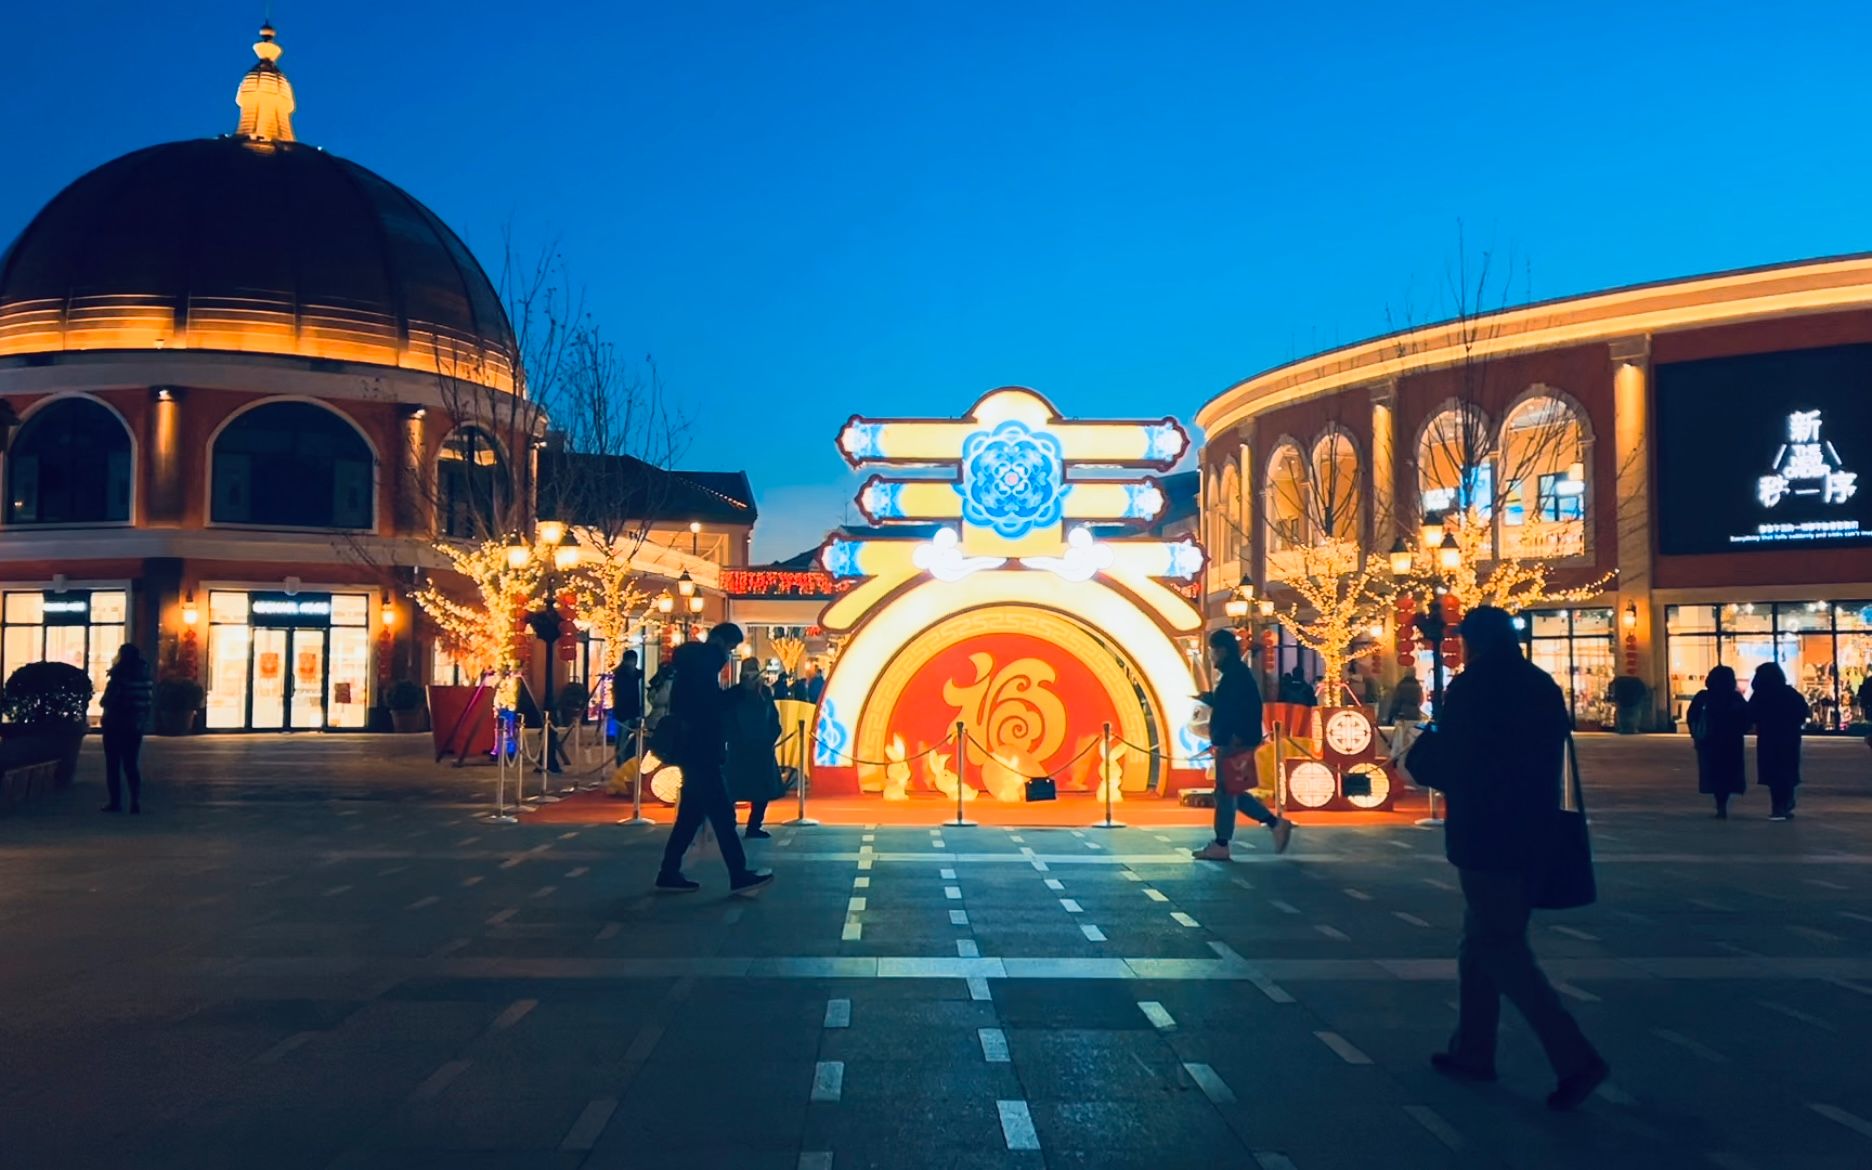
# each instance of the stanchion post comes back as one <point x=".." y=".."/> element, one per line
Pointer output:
<point x="1106" y="781"/>
<point x="1432" y="821"/>
<point x="637" y="817"/>
<point x="500" y="815"/>
<point x="545" y="761"/>
<point x="1280" y="773"/>
<point x="802" y="819"/>
<point x="961" y="735"/>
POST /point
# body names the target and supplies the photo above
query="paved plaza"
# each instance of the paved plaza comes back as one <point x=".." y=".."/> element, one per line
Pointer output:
<point x="312" y="952"/>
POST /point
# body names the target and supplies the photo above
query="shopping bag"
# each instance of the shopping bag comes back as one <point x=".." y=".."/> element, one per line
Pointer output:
<point x="1042" y="788"/>
<point x="1238" y="771"/>
<point x="1564" y="879"/>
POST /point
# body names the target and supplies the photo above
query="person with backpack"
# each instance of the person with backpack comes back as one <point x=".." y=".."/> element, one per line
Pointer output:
<point x="128" y="697"/>
<point x="1718" y="719"/>
<point x="1235" y="726"/>
<point x="694" y="737"/>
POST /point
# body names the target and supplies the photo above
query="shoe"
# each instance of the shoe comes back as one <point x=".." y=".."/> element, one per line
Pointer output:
<point x="757" y="835"/>
<point x="1456" y="1068"/>
<point x="752" y="882"/>
<point x="112" y="808"/>
<point x="1214" y="851"/>
<point x="135" y="809"/>
<point x="1573" y="1089"/>
<point x="1722" y="814"/>
<point x="1780" y="817"/>
<point x="1283" y="833"/>
<point x="676" y="883"/>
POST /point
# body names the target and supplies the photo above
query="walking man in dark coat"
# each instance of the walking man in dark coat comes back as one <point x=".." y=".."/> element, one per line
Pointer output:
<point x="1501" y="745"/>
<point x="698" y="706"/>
<point x="1235" y="726"/>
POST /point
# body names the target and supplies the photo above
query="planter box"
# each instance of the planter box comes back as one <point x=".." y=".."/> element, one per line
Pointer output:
<point x="58" y="746"/>
<point x="171" y="722"/>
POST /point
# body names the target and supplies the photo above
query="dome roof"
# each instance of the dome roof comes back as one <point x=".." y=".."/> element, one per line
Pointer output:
<point x="254" y="245"/>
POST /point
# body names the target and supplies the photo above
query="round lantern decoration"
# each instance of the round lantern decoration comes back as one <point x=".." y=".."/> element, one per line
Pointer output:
<point x="1380" y="782"/>
<point x="1348" y="732"/>
<point x="1311" y="784"/>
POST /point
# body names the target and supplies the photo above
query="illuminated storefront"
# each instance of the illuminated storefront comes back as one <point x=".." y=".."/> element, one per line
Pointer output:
<point x="79" y="627"/>
<point x="288" y="661"/>
<point x="1824" y="647"/>
<point x="1579" y="648"/>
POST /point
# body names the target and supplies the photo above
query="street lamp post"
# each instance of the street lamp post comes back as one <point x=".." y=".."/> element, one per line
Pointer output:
<point x="548" y="624"/>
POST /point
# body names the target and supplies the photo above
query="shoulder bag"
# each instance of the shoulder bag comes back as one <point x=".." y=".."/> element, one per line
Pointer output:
<point x="1564" y="879"/>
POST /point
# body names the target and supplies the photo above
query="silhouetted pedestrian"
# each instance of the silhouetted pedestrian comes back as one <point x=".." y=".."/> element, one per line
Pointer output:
<point x="1499" y="751"/>
<point x="1780" y="716"/>
<point x="1718" y="719"/>
<point x="698" y="745"/>
<point x="1235" y="726"/>
<point x="810" y="685"/>
<point x="126" y="702"/>
<point x="753" y="727"/>
<point x="627" y="703"/>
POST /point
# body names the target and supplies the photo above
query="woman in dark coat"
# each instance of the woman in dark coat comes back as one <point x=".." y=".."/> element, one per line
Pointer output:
<point x="753" y="726"/>
<point x="1779" y="715"/>
<point x="1719" y="718"/>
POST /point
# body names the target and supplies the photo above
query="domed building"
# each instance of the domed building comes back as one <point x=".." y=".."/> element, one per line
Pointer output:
<point x="245" y="385"/>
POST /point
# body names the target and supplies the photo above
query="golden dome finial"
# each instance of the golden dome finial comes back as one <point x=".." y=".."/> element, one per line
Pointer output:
<point x="265" y="97"/>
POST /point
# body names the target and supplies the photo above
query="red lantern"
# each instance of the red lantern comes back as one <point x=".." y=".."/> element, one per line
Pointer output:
<point x="1452" y="609"/>
<point x="1452" y="653"/>
<point x="1407" y="660"/>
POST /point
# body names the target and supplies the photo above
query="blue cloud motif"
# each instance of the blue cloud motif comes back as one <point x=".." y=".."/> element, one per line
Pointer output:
<point x="863" y="440"/>
<point x="1013" y="480"/>
<point x="885" y="501"/>
<point x="841" y="558"/>
<point x="1186" y="560"/>
<point x="831" y="737"/>
<point x="1163" y="442"/>
<point x="1192" y="749"/>
<point x="1143" y="501"/>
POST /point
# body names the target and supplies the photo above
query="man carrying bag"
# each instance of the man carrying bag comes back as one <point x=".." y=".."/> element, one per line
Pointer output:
<point x="1501" y="752"/>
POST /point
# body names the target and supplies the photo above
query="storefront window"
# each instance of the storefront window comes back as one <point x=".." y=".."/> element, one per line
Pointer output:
<point x="1825" y="648"/>
<point x="79" y="627"/>
<point x="1576" y="647"/>
<point x="288" y="661"/>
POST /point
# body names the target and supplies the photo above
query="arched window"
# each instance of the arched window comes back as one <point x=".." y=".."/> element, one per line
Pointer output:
<point x="1233" y="543"/>
<point x="1455" y="467"/>
<point x="295" y="465"/>
<point x="472" y="486"/>
<point x="1286" y="499"/>
<point x="69" y="465"/>
<point x="1335" y="487"/>
<point x="1543" y="470"/>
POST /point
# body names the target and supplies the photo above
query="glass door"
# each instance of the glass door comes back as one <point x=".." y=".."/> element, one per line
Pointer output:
<point x="308" y="680"/>
<point x="271" y="662"/>
<point x="348" y="677"/>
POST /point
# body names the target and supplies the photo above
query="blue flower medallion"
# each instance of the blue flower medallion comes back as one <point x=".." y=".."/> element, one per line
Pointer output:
<point x="1013" y="480"/>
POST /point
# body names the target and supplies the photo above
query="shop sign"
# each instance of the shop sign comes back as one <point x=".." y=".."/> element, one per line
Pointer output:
<point x="70" y="608"/>
<point x="276" y="610"/>
<point x="1764" y="451"/>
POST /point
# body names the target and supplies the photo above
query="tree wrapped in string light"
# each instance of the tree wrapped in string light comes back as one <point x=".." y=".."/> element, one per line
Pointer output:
<point x="1343" y="594"/>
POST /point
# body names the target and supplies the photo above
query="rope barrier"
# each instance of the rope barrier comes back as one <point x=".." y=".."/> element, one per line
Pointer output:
<point x="930" y="750"/>
<point x="1083" y="753"/>
<point x="1201" y="760"/>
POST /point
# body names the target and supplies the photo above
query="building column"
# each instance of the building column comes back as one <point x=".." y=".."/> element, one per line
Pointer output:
<point x="412" y="518"/>
<point x="1384" y="514"/>
<point x="1250" y="558"/>
<point x="1641" y="648"/>
<point x="163" y="508"/>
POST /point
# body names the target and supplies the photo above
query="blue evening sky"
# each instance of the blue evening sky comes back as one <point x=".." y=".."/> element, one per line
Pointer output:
<point x="806" y="209"/>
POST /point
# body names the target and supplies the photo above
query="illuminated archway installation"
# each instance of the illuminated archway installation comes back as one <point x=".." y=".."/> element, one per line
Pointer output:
<point x="1022" y="601"/>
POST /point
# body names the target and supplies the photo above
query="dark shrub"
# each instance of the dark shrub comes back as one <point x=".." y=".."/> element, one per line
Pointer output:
<point x="43" y="694"/>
